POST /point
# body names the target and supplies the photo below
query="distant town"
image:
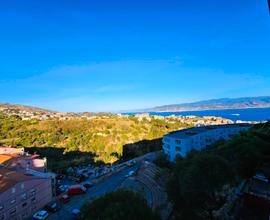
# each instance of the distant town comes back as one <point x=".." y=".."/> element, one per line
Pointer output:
<point x="30" y="113"/>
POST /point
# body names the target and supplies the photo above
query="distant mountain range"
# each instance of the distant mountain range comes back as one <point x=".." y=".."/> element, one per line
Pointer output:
<point x="215" y="104"/>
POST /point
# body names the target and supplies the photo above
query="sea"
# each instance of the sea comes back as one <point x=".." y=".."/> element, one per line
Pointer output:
<point x="248" y="114"/>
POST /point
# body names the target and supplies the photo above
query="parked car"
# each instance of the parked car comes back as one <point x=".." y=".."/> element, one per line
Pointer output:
<point x="80" y="178"/>
<point x="61" y="189"/>
<point x="65" y="199"/>
<point x="75" y="213"/>
<point x="261" y="177"/>
<point x="90" y="173"/>
<point x="60" y="176"/>
<point x="76" y="190"/>
<point x="53" y="206"/>
<point x="131" y="163"/>
<point x="147" y="159"/>
<point x="88" y="184"/>
<point x="131" y="173"/>
<point x="41" y="215"/>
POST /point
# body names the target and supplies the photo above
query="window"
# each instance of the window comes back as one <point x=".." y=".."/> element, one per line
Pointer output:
<point x="12" y="201"/>
<point x="24" y="215"/>
<point x="33" y="200"/>
<point x="12" y="212"/>
<point x="167" y="140"/>
<point x="24" y="204"/>
<point x="22" y="186"/>
<point x="178" y="141"/>
<point x="23" y="197"/>
<point x="33" y="192"/>
<point x="167" y="146"/>
<point x="2" y="216"/>
<point x="34" y="208"/>
<point x="178" y="148"/>
<point x="1" y="207"/>
<point x="13" y="190"/>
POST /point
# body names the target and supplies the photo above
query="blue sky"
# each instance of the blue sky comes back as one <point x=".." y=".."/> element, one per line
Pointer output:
<point x="116" y="55"/>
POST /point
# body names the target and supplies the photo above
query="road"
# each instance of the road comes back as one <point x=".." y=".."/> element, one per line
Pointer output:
<point x="109" y="184"/>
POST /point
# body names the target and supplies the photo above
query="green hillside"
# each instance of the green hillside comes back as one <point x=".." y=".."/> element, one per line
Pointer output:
<point x="103" y="137"/>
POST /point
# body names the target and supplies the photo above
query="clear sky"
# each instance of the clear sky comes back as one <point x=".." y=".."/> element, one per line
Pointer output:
<point x="97" y="55"/>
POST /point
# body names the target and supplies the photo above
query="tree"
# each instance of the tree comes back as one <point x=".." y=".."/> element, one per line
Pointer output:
<point x="198" y="179"/>
<point x="118" y="205"/>
<point x="195" y="183"/>
<point x="162" y="161"/>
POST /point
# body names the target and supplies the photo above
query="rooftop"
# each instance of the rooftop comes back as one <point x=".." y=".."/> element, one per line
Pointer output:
<point x="4" y="158"/>
<point x="186" y="133"/>
<point x="9" y="178"/>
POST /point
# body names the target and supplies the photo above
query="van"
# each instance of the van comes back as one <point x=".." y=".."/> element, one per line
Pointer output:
<point x="76" y="190"/>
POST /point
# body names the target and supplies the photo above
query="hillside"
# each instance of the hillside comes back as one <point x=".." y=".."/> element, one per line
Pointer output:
<point x="30" y="112"/>
<point x="215" y="104"/>
<point x="24" y="108"/>
<point x="103" y="136"/>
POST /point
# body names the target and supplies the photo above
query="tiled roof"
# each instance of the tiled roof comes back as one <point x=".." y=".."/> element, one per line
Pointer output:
<point x="4" y="158"/>
<point x="9" y="178"/>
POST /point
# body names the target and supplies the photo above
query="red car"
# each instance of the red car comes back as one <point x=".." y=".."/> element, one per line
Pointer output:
<point x="76" y="190"/>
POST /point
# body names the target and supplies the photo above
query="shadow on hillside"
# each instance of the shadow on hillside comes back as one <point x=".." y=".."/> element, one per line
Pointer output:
<point x="141" y="147"/>
<point x="58" y="160"/>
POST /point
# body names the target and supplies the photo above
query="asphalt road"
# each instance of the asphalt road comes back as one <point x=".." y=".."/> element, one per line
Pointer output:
<point x="109" y="184"/>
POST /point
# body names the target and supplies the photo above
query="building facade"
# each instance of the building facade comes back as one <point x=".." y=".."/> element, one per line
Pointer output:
<point x="22" y="195"/>
<point x="179" y="143"/>
<point x="11" y="150"/>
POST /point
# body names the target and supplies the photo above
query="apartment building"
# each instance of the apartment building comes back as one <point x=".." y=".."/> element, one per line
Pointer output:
<point x="182" y="141"/>
<point x="11" y="150"/>
<point x="22" y="195"/>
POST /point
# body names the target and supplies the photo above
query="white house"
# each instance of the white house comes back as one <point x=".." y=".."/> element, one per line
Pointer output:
<point x="182" y="141"/>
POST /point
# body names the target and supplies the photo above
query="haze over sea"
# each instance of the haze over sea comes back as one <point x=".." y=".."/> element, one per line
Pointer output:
<point x="249" y="114"/>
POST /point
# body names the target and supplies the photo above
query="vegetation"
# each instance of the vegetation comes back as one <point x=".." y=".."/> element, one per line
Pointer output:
<point x="198" y="181"/>
<point x="118" y="205"/>
<point x="104" y="138"/>
<point x="162" y="161"/>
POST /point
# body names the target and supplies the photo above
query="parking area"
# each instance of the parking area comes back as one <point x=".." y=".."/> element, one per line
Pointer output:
<point x="82" y="184"/>
<point x="105" y="184"/>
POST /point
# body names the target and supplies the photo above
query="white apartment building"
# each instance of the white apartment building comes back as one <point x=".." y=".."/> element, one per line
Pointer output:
<point x="182" y="141"/>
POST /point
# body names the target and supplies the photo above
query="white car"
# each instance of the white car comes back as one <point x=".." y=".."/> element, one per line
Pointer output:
<point x="131" y="163"/>
<point x="41" y="215"/>
<point x="76" y="212"/>
<point x="261" y="177"/>
<point x="63" y="188"/>
<point x="131" y="173"/>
